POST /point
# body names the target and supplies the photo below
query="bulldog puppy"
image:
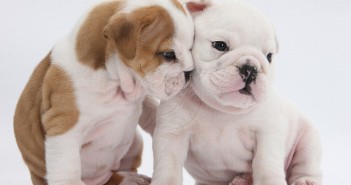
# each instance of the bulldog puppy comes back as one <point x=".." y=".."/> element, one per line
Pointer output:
<point x="75" y="122"/>
<point x="230" y="126"/>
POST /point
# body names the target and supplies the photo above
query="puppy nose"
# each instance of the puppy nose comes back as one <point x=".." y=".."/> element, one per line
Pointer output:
<point x="248" y="73"/>
<point x="187" y="75"/>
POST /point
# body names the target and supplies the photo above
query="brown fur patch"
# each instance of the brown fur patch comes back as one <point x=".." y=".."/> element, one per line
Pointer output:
<point x="115" y="179"/>
<point x="140" y="36"/>
<point x="29" y="132"/>
<point x="60" y="112"/>
<point x="91" y="43"/>
<point x="45" y="108"/>
<point x="179" y="6"/>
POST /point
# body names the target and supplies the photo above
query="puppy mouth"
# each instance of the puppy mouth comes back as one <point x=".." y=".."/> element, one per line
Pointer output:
<point x="246" y="90"/>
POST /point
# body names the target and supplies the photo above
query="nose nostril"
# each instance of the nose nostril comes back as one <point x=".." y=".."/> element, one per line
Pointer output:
<point x="187" y="75"/>
<point x="248" y="73"/>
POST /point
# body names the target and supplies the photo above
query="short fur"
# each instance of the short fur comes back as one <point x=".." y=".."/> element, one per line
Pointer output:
<point x="224" y="128"/>
<point x="75" y="122"/>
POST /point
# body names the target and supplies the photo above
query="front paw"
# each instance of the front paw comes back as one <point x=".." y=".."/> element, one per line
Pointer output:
<point x="242" y="179"/>
<point x="165" y="182"/>
<point x="131" y="178"/>
<point x="270" y="181"/>
<point x="306" y="181"/>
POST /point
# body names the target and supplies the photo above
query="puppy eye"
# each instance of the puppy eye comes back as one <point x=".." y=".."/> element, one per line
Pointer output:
<point x="220" y="45"/>
<point x="169" y="56"/>
<point x="269" y="57"/>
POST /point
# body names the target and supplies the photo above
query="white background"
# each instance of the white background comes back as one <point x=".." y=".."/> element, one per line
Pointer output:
<point x="313" y="69"/>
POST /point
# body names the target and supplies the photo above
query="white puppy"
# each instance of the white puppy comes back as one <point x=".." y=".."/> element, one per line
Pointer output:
<point x="230" y="126"/>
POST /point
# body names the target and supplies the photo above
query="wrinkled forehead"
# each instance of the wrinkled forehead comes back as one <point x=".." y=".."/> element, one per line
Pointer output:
<point x="238" y="22"/>
<point x="182" y="21"/>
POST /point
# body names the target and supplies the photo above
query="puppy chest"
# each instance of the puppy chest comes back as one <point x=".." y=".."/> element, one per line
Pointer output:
<point x="224" y="146"/>
<point x="105" y="146"/>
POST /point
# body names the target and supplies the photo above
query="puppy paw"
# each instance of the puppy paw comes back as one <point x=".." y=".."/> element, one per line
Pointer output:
<point x="243" y="179"/>
<point x="165" y="182"/>
<point x="272" y="181"/>
<point x="306" y="181"/>
<point x="134" y="179"/>
<point x="72" y="182"/>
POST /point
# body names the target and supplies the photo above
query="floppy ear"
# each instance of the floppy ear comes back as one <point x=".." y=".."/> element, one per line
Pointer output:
<point x="141" y="29"/>
<point x="276" y="39"/>
<point x="122" y="33"/>
<point x="195" y="7"/>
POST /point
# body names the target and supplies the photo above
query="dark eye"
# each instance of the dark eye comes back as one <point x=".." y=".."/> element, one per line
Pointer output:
<point x="269" y="57"/>
<point x="220" y="45"/>
<point x="169" y="56"/>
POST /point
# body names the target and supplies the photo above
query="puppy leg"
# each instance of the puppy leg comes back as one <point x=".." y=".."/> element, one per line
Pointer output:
<point x="305" y="165"/>
<point x="37" y="180"/>
<point x="268" y="161"/>
<point x="170" y="152"/>
<point x="127" y="172"/>
<point x="63" y="160"/>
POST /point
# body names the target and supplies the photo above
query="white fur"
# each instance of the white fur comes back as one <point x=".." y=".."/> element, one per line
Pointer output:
<point x="221" y="135"/>
<point x="109" y="103"/>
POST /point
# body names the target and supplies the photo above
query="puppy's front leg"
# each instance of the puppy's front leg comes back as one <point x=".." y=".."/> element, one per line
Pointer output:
<point x="63" y="163"/>
<point x="269" y="156"/>
<point x="305" y="164"/>
<point x="170" y="150"/>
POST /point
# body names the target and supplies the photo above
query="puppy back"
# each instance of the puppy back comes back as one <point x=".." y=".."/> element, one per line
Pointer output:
<point x="29" y="132"/>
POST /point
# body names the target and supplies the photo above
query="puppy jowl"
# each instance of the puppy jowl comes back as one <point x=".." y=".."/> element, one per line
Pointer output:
<point x="75" y="122"/>
<point x="230" y="126"/>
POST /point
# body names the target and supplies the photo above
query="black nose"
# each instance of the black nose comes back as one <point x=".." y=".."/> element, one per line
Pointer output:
<point x="187" y="75"/>
<point x="248" y="73"/>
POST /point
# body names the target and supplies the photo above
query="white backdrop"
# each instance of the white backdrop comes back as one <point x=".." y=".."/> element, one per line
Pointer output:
<point x="313" y="69"/>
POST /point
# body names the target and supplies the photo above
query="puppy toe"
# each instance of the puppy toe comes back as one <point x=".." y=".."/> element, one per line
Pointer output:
<point x="305" y="181"/>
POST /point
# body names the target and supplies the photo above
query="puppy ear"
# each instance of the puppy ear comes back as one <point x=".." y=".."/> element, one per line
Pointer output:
<point x="122" y="32"/>
<point x="138" y="33"/>
<point x="195" y="7"/>
<point x="276" y="39"/>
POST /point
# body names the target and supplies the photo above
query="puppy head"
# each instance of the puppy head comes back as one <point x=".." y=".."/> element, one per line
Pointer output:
<point x="152" y="38"/>
<point x="233" y="52"/>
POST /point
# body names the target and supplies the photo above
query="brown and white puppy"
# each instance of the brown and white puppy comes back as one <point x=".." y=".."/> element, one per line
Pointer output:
<point x="229" y="126"/>
<point x="75" y="122"/>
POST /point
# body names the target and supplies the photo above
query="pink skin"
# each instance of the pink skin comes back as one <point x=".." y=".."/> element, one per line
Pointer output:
<point x="243" y="179"/>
